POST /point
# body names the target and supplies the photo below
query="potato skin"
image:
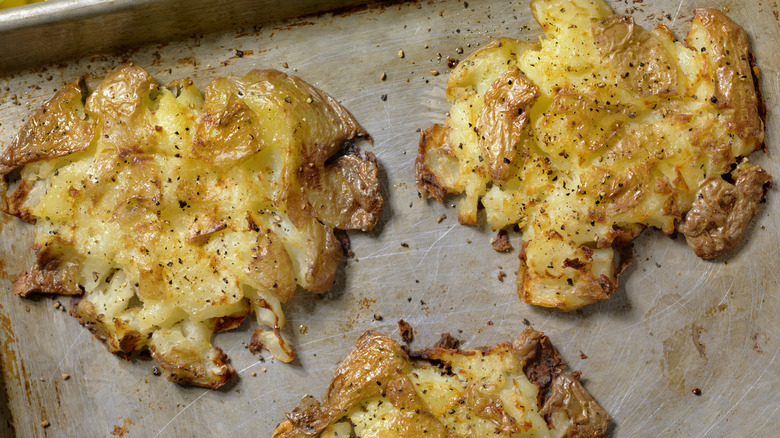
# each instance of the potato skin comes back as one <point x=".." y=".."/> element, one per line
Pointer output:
<point x="620" y="129"/>
<point x="390" y="375"/>
<point x="171" y="215"/>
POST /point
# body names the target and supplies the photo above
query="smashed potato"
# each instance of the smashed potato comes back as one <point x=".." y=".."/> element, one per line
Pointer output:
<point x="519" y="389"/>
<point x="597" y="131"/>
<point x="170" y="215"/>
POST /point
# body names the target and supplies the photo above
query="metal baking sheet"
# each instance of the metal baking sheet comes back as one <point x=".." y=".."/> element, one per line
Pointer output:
<point x="676" y="323"/>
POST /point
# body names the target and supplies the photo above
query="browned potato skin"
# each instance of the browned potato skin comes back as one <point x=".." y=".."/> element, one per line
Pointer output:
<point x="58" y="128"/>
<point x="328" y="169"/>
<point x="433" y="140"/>
<point x="620" y="41"/>
<point x="55" y="271"/>
<point x="644" y="66"/>
<point x="353" y="381"/>
<point x="722" y="211"/>
<point x="503" y="119"/>
<point x="735" y="74"/>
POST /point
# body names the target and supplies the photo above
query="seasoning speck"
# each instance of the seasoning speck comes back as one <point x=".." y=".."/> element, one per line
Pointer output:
<point x="696" y="391"/>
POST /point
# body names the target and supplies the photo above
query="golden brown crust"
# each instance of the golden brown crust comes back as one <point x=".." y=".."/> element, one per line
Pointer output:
<point x="13" y="204"/>
<point x="626" y="126"/>
<point x="55" y="271"/>
<point x="432" y="138"/>
<point x="184" y="366"/>
<point x="188" y="213"/>
<point x="722" y="211"/>
<point x="126" y="340"/>
<point x="354" y="382"/>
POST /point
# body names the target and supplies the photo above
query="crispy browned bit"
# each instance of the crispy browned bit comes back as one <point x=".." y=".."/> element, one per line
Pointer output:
<point x="501" y="242"/>
<point x="405" y="245"/>
<point x="303" y="329"/>
<point x="441" y="218"/>
<point x="284" y="64"/>
<point x="558" y="266"/>
<point x="65" y="376"/>
<point x="459" y="50"/>
<point x="447" y="341"/>
<point x="435" y="72"/>
<point x="501" y="276"/>
<point x="696" y="391"/>
<point x="253" y="374"/>
<point x="378" y="317"/>
<point x="490" y="323"/>
<point x="156" y="371"/>
<point x="583" y="356"/>
<point x="407" y="333"/>
<point x="384" y="76"/>
<point x="45" y="423"/>
<point x="557" y="392"/>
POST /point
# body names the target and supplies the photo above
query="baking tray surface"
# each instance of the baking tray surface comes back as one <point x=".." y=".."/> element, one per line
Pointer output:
<point x="676" y="323"/>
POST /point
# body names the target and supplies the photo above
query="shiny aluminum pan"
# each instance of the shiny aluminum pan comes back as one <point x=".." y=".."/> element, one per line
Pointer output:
<point x="676" y="323"/>
<point x="56" y="30"/>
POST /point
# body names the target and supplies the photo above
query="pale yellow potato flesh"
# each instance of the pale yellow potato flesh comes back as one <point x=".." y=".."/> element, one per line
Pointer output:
<point x="595" y="132"/>
<point x="171" y="214"/>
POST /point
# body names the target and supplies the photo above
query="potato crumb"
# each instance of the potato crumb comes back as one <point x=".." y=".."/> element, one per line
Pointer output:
<point x="44" y="423"/>
<point x="65" y="376"/>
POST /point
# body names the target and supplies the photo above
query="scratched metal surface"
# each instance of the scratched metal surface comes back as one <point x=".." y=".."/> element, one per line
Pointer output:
<point x="641" y="345"/>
